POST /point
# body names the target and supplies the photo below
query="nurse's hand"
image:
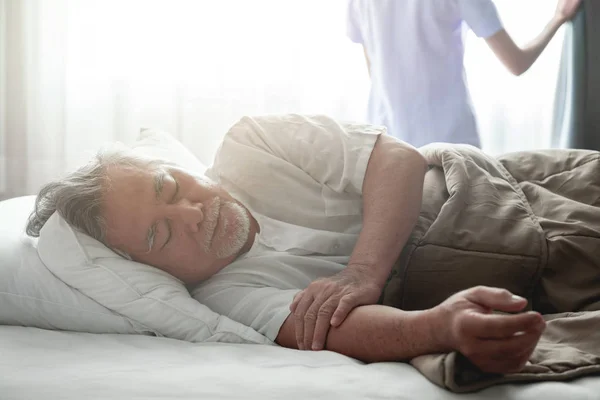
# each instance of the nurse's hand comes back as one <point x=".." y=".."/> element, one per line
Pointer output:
<point x="327" y="301"/>
<point x="566" y="9"/>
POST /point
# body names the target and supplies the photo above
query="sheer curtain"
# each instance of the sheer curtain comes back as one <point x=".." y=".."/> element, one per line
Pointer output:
<point x="515" y="113"/>
<point x="75" y="74"/>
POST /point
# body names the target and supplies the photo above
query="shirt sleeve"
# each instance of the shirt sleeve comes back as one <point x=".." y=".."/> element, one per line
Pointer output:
<point x="334" y="154"/>
<point x="481" y="16"/>
<point x="264" y="309"/>
<point x="352" y="22"/>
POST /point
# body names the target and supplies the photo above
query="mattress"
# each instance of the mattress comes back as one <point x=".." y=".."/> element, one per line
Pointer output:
<point x="43" y="364"/>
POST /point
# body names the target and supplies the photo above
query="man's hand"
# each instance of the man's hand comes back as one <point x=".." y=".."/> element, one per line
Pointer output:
<point x="327" y="301"/>
<point x="497" y="343"/>
<point x="566" y="9"/>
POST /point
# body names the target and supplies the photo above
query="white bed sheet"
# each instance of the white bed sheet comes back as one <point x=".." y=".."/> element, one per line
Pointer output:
<point x="40" y="364"/>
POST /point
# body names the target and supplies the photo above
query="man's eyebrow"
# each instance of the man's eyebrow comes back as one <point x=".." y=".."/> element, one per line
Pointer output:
<point x="159" y="183"/>
<point x="150" y="236"/>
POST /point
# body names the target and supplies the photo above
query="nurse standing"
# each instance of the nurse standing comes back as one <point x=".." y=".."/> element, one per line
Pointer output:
<point x="414" y="51"/>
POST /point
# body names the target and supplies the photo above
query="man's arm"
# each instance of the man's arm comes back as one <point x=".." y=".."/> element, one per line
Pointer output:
<point x="377" y="333"/>
<point x="518" y="60"/>
<point x="392" y="191"/>
<point x="392" y="195"/>
<point x="497" y="343"/>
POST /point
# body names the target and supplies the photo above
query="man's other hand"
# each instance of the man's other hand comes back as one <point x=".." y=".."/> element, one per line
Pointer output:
<point x="327" y="302"/>
<point x="496" y="343"/>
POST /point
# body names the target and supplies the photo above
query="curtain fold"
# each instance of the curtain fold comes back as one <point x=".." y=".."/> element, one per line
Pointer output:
<point x="32" y="93"/>
<point x="577" y="99"/>
<point x="75" y="74"/>
<point x="571" y="89"/>
<point x="592" y="122"/>
<point x="14" y="99"/>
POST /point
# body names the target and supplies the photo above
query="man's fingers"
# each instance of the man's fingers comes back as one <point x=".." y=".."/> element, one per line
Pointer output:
<point x="513" y="346"/>
<point x="296" y="300"/>
<point x="502" y="366"/>
<point x="347" y="304"/>
<point x="310" y="321"/>
<point x="518" y="358"/>
<point x="505" y="355"/>
<point x="323" y="324"/>
<point x="495" y="298"/>
<point x="499" y="348"/>
<point x="301" y="309"/>
<point x="500" y="326"/>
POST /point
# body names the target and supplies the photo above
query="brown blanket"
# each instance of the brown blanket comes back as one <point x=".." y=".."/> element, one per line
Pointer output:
<point x="528" y="222"/>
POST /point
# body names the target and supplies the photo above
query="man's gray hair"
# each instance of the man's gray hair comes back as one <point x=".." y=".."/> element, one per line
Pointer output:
<point x="78" y="196"/>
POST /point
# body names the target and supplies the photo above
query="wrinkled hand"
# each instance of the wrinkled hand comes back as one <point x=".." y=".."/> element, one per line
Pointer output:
<point x="566" y="9"/>
<point x="327" y="302"/>
<point x="496" y="343"/>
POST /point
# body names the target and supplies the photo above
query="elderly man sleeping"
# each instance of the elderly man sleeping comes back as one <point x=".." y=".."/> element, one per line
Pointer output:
<point x="327" y="235"/>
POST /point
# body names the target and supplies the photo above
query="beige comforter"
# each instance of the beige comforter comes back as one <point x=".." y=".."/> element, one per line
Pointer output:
<point x="528" y="222"/>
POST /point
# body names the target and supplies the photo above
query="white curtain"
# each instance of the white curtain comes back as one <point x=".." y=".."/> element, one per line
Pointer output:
<point x="515" y="113"/>
<point x="75" y="74"/>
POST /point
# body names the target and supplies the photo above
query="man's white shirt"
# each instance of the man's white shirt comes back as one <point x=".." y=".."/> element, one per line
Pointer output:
<point x="301" y="178"/>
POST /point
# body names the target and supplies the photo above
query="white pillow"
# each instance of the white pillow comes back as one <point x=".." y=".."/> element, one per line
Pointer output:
<point x="159" y="144"/>
<point x="30" y="295"/>
<point x="140" y="293"/>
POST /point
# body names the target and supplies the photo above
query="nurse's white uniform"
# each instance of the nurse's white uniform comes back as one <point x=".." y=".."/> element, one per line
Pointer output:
<point x="418" y="88"/>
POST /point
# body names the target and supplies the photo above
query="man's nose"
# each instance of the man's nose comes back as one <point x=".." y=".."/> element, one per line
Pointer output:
<point x="191" y="214"/>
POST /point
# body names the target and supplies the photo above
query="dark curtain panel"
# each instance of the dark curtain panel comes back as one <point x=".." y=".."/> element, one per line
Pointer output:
<point x="577" y="105"/>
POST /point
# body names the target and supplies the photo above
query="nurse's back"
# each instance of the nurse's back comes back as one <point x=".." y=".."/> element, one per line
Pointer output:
<point x="415" y="51"/>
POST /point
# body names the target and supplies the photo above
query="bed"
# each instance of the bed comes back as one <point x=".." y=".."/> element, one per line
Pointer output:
<point x="64" y="334"/>
<point x="37" y="363"/>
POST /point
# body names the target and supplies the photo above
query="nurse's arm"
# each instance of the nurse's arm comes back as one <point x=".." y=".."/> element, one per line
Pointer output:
<point x="518" y="60"/>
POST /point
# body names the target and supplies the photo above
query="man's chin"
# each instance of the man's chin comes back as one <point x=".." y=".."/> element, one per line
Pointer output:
<point x="228" y="253"/>
<point x="233" y="242"/>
